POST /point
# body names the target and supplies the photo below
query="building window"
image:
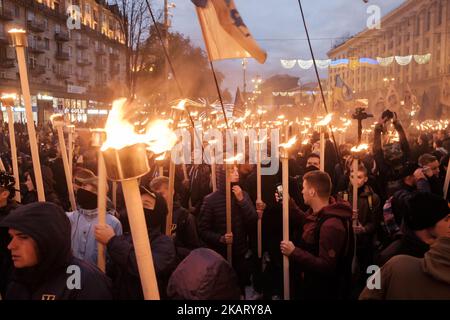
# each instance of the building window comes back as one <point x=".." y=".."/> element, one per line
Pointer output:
<point x="417" y="31"/>
<point x="70" y="51"/>
<point x="428" y="21"/>
<point x="47" y="43"/>
<point x="17" y="11"/>
<point x="46" y="24"/>
<point x="440" y="13"/>
<point x="47" y="63"/>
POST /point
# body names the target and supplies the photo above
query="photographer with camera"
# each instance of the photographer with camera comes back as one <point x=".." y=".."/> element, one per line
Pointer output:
<point x="389" y="158"/>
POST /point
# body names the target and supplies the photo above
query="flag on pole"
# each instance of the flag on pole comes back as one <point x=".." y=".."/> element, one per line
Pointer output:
<point x="225" y="33"/>
<point x="342" y="93"/>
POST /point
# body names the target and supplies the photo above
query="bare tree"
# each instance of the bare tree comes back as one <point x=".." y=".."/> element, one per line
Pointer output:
<point x="135" y="24"/>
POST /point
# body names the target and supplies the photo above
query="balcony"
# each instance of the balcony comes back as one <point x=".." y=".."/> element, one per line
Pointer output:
<point x="37" y="70"/>
<point x="114" y="56"/>
<point x="6" y="14"/>
<point x="83" y="44"/>
<point x="83" y="62"/>
<point x="83" y="78"/>
<point x="37" y="48"/>
<point x="6" y="63"/>
<point x="100" y="67"/>
<point x="62" y="55"/>
<point x="36" y="26"/>
<point x="100" y="51"/>
<point x="114" y="70"/>
<point x="62" y="74"/>
<point x="62" y="36"/>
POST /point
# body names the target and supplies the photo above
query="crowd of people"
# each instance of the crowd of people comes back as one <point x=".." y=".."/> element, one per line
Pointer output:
<point x="401" y="225"/>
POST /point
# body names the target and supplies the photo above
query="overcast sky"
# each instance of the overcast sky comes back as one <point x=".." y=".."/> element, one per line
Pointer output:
<point x="278" y="28"/>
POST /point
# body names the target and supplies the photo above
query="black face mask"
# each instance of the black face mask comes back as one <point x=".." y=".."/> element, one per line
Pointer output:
<point x="86" y="199"/>
<point x="152" y="219"/>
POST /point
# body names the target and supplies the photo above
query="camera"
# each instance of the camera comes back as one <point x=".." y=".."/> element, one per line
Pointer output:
<point x="361" y="114"/>
<point x="280" y="192"/>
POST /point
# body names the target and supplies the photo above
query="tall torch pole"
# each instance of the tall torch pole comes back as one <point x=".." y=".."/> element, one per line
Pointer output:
<point x="128" y="165"/>
<point x="19" y="38"/>
<point x="98" y="137"/>
<point x="58" y="123"/>
<point x="285" y="181"/>
<point x="8" y="102"/>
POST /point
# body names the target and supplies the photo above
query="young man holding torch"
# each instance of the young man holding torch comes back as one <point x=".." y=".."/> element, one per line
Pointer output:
<point x="212" y="222"/>
<point x="124" y="269"/>
<point x="323" y="254"/>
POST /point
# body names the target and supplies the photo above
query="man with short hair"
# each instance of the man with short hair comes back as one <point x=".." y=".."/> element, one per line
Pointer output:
<point x="313" y="160"/>
<point x="41" y="253"/>
<point x="430" y="170"/>
<point x="324" y="252"/>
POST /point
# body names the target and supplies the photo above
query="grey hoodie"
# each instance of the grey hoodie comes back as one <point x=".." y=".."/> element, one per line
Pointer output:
<point x="406" y="277"/>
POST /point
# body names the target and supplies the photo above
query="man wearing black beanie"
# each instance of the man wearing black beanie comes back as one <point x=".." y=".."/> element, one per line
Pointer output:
<point x="424" y="211"/>
<point x="411" y="278"/>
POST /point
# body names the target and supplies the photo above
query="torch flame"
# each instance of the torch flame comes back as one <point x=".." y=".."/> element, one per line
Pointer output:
<point x="160" y="157"/>
<point x="360" y="148"/>
<point x="325" y="121"/>
<point x="180" y="105"/>
<point x="290" y="143"/>
<point x="234" y="159"/>
<point x="305" y="142"/>
<point x="15" y="30"/>
<point x="120" y="133"/>
<point x="261" y="141"/>
<point x="8" y="96"/>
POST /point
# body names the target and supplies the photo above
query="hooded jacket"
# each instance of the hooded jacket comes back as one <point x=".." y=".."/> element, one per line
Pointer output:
<point x="47" y="224"/>
<point x="203" y="275"/>
<point x="212" y="220"/>
<point x="410" y="278"/>
<point x="409" y="244"/>
<point x="83" y="221"/>
<point x="5" y="257"/>
<point x="124" y="269"/>
<point x="324" y="252"/>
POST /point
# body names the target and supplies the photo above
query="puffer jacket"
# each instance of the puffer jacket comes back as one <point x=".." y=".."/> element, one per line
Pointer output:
<point x="212" y="219"/>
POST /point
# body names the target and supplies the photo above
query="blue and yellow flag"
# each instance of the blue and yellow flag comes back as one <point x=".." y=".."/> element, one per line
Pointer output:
<point x="225" y="33"/>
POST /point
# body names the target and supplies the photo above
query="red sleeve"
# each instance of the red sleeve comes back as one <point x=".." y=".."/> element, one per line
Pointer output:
<point x="331" y="242"/>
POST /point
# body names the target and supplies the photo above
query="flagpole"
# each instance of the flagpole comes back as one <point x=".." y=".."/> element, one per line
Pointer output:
<point x="318" y="80"/>
<point x="219" y="93"/>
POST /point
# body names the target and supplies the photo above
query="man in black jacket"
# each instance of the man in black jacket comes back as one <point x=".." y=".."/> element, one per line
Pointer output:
<point x="44" y="267"/>
<point x="424" y="211"/>
<point x="184" y="225"/>
<point x="212" y="222"/>
<point x="7" y="204"/>
<point x="124" y="270"/>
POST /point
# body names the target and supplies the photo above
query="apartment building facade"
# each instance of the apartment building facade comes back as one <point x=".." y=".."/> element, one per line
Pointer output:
<point x="77" y="67"/>
<point x="420" y="29"/>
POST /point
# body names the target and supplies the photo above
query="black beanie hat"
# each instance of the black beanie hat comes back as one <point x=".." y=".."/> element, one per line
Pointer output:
<point x="425" y="210"/>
